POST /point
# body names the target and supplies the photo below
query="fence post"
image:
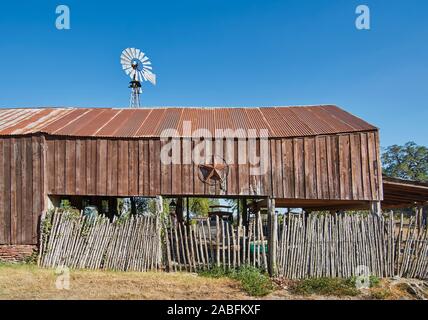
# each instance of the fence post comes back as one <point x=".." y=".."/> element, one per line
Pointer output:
<point x="272" y="237"/>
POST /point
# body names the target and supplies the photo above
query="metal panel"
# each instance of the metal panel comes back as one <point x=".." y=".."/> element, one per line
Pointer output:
<point x="281" y="122"/>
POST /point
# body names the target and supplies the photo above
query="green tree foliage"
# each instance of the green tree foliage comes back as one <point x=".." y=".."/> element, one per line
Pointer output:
<point x="406" y="162"/>
<point x="201" y="206"/>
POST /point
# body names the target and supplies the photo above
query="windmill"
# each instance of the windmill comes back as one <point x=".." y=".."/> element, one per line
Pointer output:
<point x="138" y="66"/>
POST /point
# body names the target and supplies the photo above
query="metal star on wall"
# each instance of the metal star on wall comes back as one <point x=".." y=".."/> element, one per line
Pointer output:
<point x="213" y="172"/>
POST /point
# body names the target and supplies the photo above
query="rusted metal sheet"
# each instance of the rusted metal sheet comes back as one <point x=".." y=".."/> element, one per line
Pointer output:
<point x="279" y="122"/>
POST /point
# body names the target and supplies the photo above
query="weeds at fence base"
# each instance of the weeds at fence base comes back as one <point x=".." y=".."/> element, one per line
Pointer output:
<point x="381" y="294"/>
<point x="338" y="287"/>
<point x="253" y="280"/>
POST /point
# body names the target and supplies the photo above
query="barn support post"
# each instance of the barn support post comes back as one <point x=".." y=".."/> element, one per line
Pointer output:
<point x="179" y="209"/>
<point x="133" y="206"/>
<point x="159" y="205"/>
<point x="245" y="212"/>
<point x="272" y="237"/>
<point x="375" y="208"/>
<point x="419" y="215"/>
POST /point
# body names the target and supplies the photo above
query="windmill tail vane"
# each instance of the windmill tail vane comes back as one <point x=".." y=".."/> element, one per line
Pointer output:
<point x="138" y="67"/>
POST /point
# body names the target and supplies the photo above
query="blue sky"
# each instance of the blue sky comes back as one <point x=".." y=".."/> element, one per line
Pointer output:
<point x="225" y="53"/>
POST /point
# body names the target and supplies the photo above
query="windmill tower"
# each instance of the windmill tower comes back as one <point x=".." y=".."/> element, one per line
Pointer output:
<point x="138" y="66"/>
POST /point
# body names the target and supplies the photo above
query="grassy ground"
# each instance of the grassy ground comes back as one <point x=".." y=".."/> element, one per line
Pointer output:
<point x="30" y="282"/>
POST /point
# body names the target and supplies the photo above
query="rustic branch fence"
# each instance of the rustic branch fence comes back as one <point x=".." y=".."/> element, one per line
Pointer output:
<point x="345" y="245"/>
<point x="308" y="245"/>
<point x="132" y="244"/>
<point x="210" y="243"/>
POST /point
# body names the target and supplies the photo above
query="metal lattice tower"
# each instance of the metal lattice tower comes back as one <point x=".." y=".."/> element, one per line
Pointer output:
<point x="134" y="101"/>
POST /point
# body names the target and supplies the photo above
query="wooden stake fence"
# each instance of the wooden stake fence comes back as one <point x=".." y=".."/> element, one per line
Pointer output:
<point x="342" y="246"/>
<point x="214" y="243"/>
<point x="307" y="246"/>
<point x="96" y="243"/>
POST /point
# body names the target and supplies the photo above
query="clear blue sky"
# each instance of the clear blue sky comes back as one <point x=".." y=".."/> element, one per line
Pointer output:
<point x="225" y="53"/>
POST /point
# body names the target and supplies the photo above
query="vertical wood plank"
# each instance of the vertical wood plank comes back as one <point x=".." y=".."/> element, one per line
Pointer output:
<point x="177" y="178"/>
<point x="371" y="147"/>
<point x="27" y="192"/>
<point x="122" y="184"/>
<point x="323" y="191"/>
<point x="310" y="168"/>
<point x="166" y="169"/>
<point x="299" y="171"/>
<point x="81" y="167"/>
<point x="241" y="146"/>
<point x="365" y="172"/>
<point x="70" y="166"/>
<point x="146" y="167"/>
<point x="7" y="153"/>
<point x="357" y="184"/>
<point x="288" y="168"/>
<point x="231" y="159"/>
<point x="267" y="177"/>
<point x="101" y="167"/>
<point x="345" y="167"/>
<point x="198" y="156"/>
<point x="90" y="174"/>
<point x="2" y="196"/>
<point x="37" y="189"/>
<point x="187" y="177"/>
<point x="141" y="172"/>
<point x="133" y="167"/>
<point x="15" y="160"/>
<point x="378" y="166"/>
<point x="333" y="167"/>
<point x="60" y="166"/>
<point x="50" y="165"/>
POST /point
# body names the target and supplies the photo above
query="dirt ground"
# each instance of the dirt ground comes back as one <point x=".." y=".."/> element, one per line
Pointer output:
<point x="31" y="282"/>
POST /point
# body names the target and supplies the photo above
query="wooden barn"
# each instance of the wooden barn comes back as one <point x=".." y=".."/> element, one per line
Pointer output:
<point x="316" y="157"/>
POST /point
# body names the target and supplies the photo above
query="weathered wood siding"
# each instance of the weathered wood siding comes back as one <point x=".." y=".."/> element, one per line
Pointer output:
<point x="21" y="189"/>
<point x="333" y="167"/>
<point x="339" y="167"/>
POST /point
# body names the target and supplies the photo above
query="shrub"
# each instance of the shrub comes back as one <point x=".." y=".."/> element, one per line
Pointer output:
<point x="253" y="280"/>
<point x="373" y="281"/>
<point x="380" y="294"/>
<point x="325" y="286"/>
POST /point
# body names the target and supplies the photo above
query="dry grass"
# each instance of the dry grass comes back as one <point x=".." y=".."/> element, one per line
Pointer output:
<point x="31" y="282"/>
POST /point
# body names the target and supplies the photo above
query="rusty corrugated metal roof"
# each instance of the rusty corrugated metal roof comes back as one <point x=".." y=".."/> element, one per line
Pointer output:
<point x="152" y="122"/>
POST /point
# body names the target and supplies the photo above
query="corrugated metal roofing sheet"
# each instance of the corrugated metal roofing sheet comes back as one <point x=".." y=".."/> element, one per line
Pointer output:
<point x="145" y="122"/>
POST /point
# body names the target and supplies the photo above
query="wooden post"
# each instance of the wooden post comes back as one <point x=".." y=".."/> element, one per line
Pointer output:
<point x="419" y="215"/>
<point x="238" y="216"/>
<point x="272" y="237"/>
<point x="133" y="206"/>
<point x="112" y="207"/>
<point x="187" y="215"/>
<point x="159" y="205"/>
<point x="375" y="208"/>
<point x="179" y="210"/>
<point x="245" y="212"/>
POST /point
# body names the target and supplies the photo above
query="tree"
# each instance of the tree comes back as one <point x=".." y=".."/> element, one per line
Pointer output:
<point x="408" y="162"/>
<point x="201" y="206"/>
